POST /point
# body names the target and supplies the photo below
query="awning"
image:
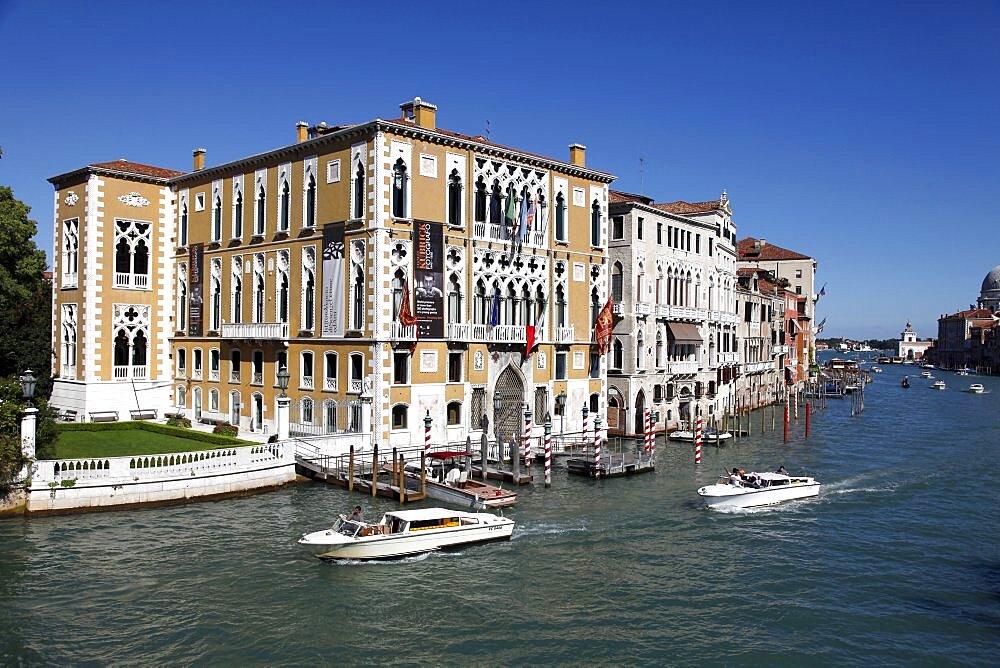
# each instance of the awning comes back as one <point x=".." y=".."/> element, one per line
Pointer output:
<point x="684" y="332"/>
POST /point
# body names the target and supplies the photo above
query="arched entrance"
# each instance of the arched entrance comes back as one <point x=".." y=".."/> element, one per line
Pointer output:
<point x="640" y="413"/>
<point x="508" y="411"/>
<point x="685" y="404"/>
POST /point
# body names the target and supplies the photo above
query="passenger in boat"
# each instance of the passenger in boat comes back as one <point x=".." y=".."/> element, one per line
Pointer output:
<point x="781" y="470"/>
<point x="356" y="515"/>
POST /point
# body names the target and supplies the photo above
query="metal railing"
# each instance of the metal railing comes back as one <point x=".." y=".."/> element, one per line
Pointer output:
<point x="260" y="331"/>
<point x="129" y="371"/>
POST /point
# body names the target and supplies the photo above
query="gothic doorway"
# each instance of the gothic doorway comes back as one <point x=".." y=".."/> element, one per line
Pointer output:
<point x="508" y="411"/>
<point x="640" y="413"/>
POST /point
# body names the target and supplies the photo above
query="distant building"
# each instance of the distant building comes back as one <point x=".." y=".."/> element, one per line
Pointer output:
<point x="989" y="294"/>
<point x="969" y="338"/>
<point x="911" y="347"/>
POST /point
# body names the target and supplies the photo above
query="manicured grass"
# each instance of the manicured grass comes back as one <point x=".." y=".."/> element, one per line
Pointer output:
<point x="124" y="442"/>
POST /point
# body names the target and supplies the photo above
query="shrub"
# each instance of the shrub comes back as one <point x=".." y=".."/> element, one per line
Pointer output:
<point x="226" y="430"/>
<point x="179" y="421"/>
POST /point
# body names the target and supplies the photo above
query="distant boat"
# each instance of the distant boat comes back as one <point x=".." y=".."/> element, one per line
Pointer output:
<point x="938" y="385"/>
<point x="906" y="382"/>
<point x="925" y="374"/>
<point x="757" y="489"/>
<point x="977" y="388"/>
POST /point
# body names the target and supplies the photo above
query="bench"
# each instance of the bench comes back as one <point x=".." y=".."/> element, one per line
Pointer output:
<point x="67" y="415"/>
<point x="143" y="414"/>
<point x="104" y="416"/>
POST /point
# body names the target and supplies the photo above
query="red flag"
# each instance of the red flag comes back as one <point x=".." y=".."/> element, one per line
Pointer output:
<point x="406" y="317"/>
<point x="603" y="327"/>
<point x="529" y="330"/>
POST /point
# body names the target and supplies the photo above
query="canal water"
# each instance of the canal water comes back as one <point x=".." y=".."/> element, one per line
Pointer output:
<point x="896" y="562"/>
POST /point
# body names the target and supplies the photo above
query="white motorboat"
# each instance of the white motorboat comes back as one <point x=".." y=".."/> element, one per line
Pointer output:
<point x="681" y="435"/>
<point x="402" y="533"/>
<point x="938" y="385"/>
<point x="977" y="388"/>
<point x="456" y="486"/>
<point x="925" y="374"/>
<point x="757" y="489"/>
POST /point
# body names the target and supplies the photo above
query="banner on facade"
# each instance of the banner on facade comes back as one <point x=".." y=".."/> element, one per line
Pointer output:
<point x="333" y="279"/>
<point x="428" y="278"/>
<point x="196" y="271"/>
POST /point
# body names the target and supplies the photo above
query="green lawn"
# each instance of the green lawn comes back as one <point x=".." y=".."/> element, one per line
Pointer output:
<point x="124" y="442"/>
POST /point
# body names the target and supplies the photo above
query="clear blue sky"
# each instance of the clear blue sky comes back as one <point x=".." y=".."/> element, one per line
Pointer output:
<point x="864" y="134"/>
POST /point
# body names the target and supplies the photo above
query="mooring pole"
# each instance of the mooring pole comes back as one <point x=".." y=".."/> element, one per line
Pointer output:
<point x="350" y="471"/>
<point x="374" y="470"/>
<point x="548" y="450"/>
<point x="402" y="480"/>
<point x="807" y="419"/>
<point x="786" y="422"/>
<point x="423" y="474"/>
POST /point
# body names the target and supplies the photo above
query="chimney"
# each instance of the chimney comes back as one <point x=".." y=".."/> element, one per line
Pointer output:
<point x="301" y="131"/>
<point x="424" y="114"/>
<point x="762" y="242"/>
<point x="577" y="154"/>
<point x="199" y="159"/>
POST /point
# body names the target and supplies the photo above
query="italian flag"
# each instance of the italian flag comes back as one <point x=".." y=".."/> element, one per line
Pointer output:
<point x="530" y="331"/>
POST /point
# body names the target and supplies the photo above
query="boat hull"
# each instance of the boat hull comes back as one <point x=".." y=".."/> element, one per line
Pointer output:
<point x="403" y="545"/>
<point x="724" y="497"/>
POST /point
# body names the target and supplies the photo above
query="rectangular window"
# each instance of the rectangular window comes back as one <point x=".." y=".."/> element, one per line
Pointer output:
<point x="595" y="365"/>
<point x="541" y="404"/>
<point x="454" y="367"/>
<point x="196" y="363"/>
<point x="401" y="368"/>
<point x="477" y="411"/>
<point x="234" y="366"/>
<point x="638" y="228"/>
<point x="798" y="273"/>
<point x="710" y="240"/>
<point x="618" y="228"/>
<point x="307" y="370"/>
<point x="697" y="243"/>
<point x="333" y="171"/>
<point x="199" y="202"/>
<point x="659" y="233"/>
<point x="214" y="362"/>
<point x="560" y="366"/>
<point x="798" y="289"/>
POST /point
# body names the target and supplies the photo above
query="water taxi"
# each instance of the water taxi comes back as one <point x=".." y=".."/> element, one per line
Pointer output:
<point x="977" y="388"/>
<point x="757" y="489"/>
<point x="938" y="385"/>
<point x="925" y="374"/>
<point x="403" y="533"/>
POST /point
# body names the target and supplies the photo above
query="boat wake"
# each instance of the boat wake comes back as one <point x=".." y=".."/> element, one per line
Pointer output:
<point x="546" y="530"/>
<point x="379" y="562"/>
<point x="857" y="485"/>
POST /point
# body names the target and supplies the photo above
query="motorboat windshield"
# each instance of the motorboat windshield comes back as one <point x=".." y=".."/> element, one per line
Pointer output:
<point x="346" y="527"/>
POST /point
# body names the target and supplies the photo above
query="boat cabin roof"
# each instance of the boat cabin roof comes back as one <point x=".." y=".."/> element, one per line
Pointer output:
<point x="427" y="514"/>
<point x="774" y="476"/>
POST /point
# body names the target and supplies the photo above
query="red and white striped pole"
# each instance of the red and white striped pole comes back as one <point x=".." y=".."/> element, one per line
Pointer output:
<point x="647" y="418"/>
<point x="583" y="433"/>
<point x="597" y="446"/>
<point x="548" y="450"/>
<point x="427" y="433"/>
<point x="697" y="443"/>
<point x="652" y="437"/>
<point x="528" y="456"/>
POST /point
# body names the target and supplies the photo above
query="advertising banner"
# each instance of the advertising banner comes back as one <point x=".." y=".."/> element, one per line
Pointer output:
<point x="196" y="272"/>
<point x="333" y="280"/>
<point x="428" y="278"/>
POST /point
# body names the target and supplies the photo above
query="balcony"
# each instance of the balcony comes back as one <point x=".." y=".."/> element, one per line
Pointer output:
<point x="257" y="331"/>
<point x="356" y="386"/>
<point x="683" y="313"/>
<point x="330" y="383"/>
<point x="643" y="308"/>
<point x="617" y="308"/>
<point x="400" y="332"/>
<point x="662" y="311"/>
<point x="258" y="378"/>
<point x="677" y="368"/>
<point x="564" y="334"/>
<point x="537" y="236"/>
<point x="464" y="331"/>
<point x="306" y="383"/>
<point x="137" y="281"/>
<point x="136" y="371"/>
<point x="69" y="280"/>
<point x="724" y="317"/>
<point x="758" y="367"/>
<point x="728" y="358"/>
<point x="68" y="371"/>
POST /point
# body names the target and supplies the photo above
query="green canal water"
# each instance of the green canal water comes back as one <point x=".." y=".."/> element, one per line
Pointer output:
<point x="897" y="562"/>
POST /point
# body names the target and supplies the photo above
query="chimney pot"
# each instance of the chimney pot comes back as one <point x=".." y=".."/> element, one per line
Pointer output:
<point x="199" y="159"/>
<point x="578" y="155"/>
<point x="424" y="114"/>
<point x="301" y="131"/>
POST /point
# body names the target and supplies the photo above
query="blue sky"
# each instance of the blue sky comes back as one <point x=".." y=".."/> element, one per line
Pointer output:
<point x="864" y="134"/>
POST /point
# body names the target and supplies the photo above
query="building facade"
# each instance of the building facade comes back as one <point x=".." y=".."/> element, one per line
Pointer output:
<point x="674" y="347"/>
<point x="762" y="337"/>
<point x="306" y="256"/>
<point x="797" y="273"/>
<point x="910" y="346"/>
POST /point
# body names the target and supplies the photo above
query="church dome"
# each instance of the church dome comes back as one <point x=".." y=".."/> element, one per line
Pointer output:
<point x="992" y="281"/>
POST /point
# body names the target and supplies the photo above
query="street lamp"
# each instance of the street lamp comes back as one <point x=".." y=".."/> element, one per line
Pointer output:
<point x="561" y="405"/>
<point x="283" y="377"/>
<point x="28" y="382"/>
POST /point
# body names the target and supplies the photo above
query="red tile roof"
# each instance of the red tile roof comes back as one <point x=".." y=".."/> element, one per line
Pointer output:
<point x="973" y="313"/>
<point x="124" y="165"/>
<point x="749" y="250"/>
<point x="616" y="197"/>
<point x="683" y="207"/>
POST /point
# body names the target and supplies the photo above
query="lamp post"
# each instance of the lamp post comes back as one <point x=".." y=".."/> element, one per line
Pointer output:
<point x="283" y="404"/>
<point x="561" y="405"/>
<point x="28" y="420"/>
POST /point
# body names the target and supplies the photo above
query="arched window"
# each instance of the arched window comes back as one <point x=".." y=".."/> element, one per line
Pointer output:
<point x="182" y="297"/>
<point x="283" y="208"/>
<point x="399" y="414"/>
<point x="399" y="183"/>
<point x="481" y="307"/>
<point x="454" y="299"/>
<point x="306" y="410"/>
<point x="595" y="306"/>
<point x="616" y="282"/>
<point x="121" y="349"/>
<point x="258" y="289"/>
<point x="132" y="241"/>
<point x="595" y="223"/>
<point x="217" y="219"/>
<point x="359" y="191"/>
<point x="216" y="304"/>
<point x="330" y="416"/>
<point x="181" y="396"/>
<point x="618" y="355"/>
<point x="510" y="312"/>
<point x="236" y="296"/>
<point x="358" y="299"/>
<point x="454" y="413"/>
<point x="213" y="400"/>
<point x="480" y="212"/>
<point x="560" y="217"/>
<point x="308" y="299"/>
<point x="260" y="215"/>
<point x="184" y="224"/>
<point x="659" y="349"/>
<point x="496" y="204"/>
<point x="234" y="408"/>
<point x="310" y="208"/>
<point x="398" y="283"/>
<point x="330" y="371"/>
<point x="282" y="307"/>
<point x="562" y="314"/>
<point x="640" y="349"/>
<point x="238" y="215"/>
<point x="639" y="284"/>
<point x="455" y="199"/>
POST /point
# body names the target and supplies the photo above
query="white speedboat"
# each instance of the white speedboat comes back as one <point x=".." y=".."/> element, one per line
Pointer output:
<point x="757" y="489"/>
<point x="402" y="533"/>
<point x="938" y="385"/>
<point x="681" y="435"/>
<point x="925" y="374"/>
<point x="977" y="388"/>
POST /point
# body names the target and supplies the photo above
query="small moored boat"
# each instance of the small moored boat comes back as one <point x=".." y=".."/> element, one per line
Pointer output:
<point x="757" y="489"/>
<point x="448" y="482"/>
<point x="402" y="533"/>
<point x="906" y="382"/>
<point x="938" y="385"/>
<point x="977" y="388"/>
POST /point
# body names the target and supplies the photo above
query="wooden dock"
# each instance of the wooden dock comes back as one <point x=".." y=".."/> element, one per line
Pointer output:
<point x="365" y="474"/>
<point x="613" y="464"/>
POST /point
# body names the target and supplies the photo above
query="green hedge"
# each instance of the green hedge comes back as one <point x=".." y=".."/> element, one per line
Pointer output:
<point x="214" y="439"/>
